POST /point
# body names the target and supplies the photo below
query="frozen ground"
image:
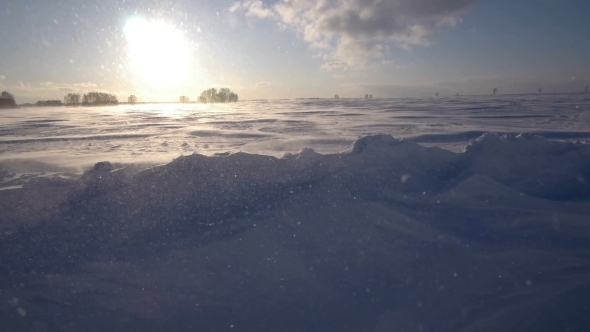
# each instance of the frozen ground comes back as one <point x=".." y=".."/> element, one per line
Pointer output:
<point x="157" y="133"/>
<point x="371" y="234"/>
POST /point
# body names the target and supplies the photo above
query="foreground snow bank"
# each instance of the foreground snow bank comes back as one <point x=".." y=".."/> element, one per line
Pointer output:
<point x="388" y="235"/>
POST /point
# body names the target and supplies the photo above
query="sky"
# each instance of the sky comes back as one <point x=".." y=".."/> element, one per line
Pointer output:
<point x="160" y="50"/>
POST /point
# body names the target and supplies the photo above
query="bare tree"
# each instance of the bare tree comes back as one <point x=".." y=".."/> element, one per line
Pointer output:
<point x="72" y="99"/>
<point x="7" y="100"/>
<point x="132" y="99"/>
<point x="99" y="98"/>
<point x="495" y="90"/>
<point x="5" y="95"/>
<point x="224" y="95"/>
<point x="48" y="103"/>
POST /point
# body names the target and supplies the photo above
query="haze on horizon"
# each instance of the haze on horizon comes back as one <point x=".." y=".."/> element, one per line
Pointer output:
<point x="292" y="48"/>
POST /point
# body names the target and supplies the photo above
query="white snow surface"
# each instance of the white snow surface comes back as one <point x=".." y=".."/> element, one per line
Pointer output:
<point x="309" y="228"/>
<point x="76" y="138"/>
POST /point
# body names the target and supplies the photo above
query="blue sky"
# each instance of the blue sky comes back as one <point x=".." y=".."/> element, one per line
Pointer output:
<point x="293" y="48"/>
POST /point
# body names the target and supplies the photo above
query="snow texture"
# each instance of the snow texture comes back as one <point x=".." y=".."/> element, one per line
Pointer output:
<point x="388" y="235"/>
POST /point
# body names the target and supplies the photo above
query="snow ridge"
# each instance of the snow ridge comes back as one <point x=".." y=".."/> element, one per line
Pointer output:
<point x="387" y="219"/>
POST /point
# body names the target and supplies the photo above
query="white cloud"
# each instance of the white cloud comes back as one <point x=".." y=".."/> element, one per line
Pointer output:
<point x="395" y="64"/>
<point x="2" y="77"/>
<point x="359" y="31"/>
<point x="254" y="8"/>
<point x="334" y="65"/>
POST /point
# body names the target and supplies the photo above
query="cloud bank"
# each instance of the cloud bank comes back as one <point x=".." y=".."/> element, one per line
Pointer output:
<point x="252" y="8"/>
<point x="352" y="33"/>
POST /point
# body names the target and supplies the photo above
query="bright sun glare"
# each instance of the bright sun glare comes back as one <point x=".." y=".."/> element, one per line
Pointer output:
<point x="158" y="52"/>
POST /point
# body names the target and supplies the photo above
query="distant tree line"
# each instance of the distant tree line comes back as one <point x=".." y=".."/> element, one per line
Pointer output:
<point x="48" y="103"/>
<point x="224" y="95"/>
<point x="91" y="98"/>
<point x="99" y="98"/>
<point x="7" y="100"/>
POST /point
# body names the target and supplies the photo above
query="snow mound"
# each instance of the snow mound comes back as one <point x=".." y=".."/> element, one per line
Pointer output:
<point x="337" y="240"/>
<point x="533" y="165"/>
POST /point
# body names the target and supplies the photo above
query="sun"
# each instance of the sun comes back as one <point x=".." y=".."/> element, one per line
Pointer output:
<point x="158" y="52"/>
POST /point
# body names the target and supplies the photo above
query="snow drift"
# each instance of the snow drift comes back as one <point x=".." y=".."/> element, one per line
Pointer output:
<point x="389" y="235"/>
